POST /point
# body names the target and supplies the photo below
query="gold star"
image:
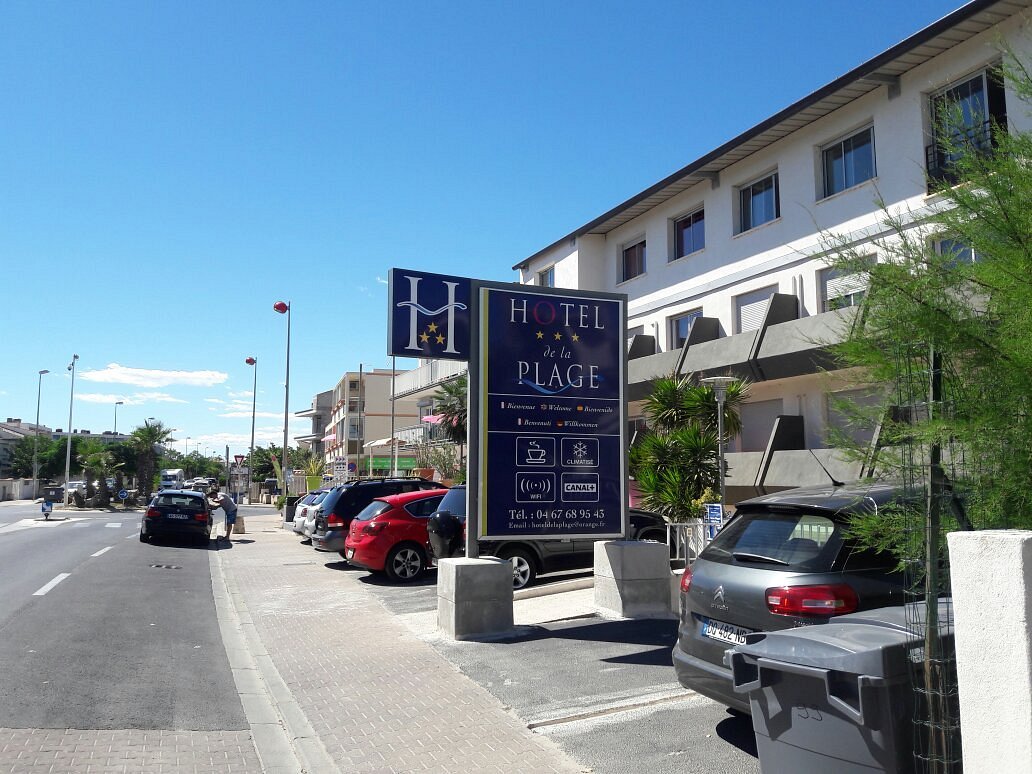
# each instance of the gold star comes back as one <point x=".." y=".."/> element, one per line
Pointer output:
<point x="423" y="337"/>
<point x="432" y="327"/>
<point x="558" y="336"/>
<point x="575" y="337"/>
<point x="540" y="335"/>
<point x="440" y="338"/>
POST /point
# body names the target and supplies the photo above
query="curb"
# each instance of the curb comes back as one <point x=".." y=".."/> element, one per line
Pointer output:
<point x="285" y="741"/>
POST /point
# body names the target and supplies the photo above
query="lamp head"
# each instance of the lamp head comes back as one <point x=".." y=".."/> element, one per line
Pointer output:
<point x="281" y="306"/>
<point x="251" y="361"/>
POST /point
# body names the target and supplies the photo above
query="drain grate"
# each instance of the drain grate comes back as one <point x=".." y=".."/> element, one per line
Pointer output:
<point x="166" y="567"/>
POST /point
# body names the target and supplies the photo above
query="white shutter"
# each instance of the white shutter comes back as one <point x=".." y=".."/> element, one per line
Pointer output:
<point x="751" y="308"/>
<point x="757" y="422"/>
<point x="837" y="285"/>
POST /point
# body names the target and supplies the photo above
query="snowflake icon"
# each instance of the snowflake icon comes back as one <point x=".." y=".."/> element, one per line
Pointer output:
<point x="580" y="450"/>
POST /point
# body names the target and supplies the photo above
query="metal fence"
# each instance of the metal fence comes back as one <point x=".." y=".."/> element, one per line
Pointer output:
<point x="688" y="539"/>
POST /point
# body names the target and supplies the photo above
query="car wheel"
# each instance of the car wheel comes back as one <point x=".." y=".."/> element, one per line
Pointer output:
<point x="404" y="563"/>
<point x="523" y="571"/>
<point x="144" y="538"/>
<point x="343" y="555"/>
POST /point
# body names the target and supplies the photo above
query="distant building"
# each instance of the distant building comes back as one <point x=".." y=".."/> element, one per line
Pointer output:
<point x="11" y="432"/>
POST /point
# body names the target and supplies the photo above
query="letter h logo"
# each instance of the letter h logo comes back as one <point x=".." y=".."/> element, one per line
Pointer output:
<point x="429" y="315"/>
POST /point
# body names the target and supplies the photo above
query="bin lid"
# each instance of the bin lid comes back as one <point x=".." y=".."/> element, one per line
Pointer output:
<point x="854" y="648"/>
<point x="910" y="617"/>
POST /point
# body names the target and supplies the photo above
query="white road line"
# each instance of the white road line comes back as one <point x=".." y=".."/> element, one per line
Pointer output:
<point x="102" y="551"/>
<point x="44" y="589"/>
<point x="113" y="524"/>
<point x="130" y="536"/>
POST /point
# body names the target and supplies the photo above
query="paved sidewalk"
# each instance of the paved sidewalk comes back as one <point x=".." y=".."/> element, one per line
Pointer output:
<point x="376" y="697"/>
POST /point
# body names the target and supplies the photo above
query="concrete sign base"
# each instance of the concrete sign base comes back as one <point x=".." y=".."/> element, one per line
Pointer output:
<point x="474" y="598"/>
<point x="632" y="579"/>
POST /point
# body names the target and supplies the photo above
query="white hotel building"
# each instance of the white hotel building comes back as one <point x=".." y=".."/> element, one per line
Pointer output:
<point x="722" y="260"/>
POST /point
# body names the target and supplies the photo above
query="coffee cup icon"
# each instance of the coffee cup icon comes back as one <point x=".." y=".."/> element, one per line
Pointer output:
<point x="536" y="455"/>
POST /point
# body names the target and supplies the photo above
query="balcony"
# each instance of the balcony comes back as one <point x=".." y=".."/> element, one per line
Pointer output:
<point x="427" y="376"/>
<point x="423" y="433"/>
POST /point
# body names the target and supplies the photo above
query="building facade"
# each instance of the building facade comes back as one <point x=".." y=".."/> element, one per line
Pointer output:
<point x="724" y="261"/>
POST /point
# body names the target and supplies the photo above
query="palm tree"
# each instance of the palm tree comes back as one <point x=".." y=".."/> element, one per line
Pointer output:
<point x="147" y="440"/>
<point x="98" y="462"/>
<point x="676" y="459"/>
<point x="450" y="404"/>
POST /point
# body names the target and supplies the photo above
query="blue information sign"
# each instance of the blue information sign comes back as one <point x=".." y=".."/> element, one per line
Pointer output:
<point x="552" y="452"/>
<point x="429" y="315"/>
<point x="123" y="494"/>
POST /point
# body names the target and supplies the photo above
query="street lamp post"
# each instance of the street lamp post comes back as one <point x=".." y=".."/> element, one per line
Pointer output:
<point x="35" y="437"/>
<point x="117" y="404"/>
<point x="253" y="362"/>
<point x="68" y="449"/>
<point x="186" y="446"/>
<point x="283" y="307"/>
<point x="719" y="384"/>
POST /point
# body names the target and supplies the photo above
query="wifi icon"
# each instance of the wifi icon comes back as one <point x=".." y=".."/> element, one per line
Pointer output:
<point x="535" y="487"/>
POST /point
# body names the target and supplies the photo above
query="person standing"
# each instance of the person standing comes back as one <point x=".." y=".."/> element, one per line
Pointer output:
<point x="222" y="500"/>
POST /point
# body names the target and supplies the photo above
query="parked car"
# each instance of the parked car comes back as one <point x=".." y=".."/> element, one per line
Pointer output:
<point x="531" y="558"/>
<point x="390" y="536"/>
<point x="347" y="500"/>
<point x="783" y="560"/>
<point x="304" y="518"/>
<point x="299" y="511"/>
<point x="178" y="512"/>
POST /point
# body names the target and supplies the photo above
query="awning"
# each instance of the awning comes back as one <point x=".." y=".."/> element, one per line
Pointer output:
<point x="330" y="437"/>
<point x="433" y="419"/>
<point x="382" y="442"/>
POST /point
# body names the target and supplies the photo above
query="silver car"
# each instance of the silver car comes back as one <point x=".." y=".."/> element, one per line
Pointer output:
<point x="783" y="560"/>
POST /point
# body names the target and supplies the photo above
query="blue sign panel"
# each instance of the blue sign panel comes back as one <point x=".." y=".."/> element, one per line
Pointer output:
<point x="551" y="424"/>
<point x="429" y="315"/>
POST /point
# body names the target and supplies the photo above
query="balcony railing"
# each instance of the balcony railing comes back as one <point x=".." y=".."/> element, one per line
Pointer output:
<point x="427" y="375"/>
<point x="942" y="164"/>
<point x="423" y="433"/>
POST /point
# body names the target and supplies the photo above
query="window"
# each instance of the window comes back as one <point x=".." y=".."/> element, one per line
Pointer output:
<point x="848" y="162"/>
<point x="689" y="234"/>
<point x="633" y="262"/>
<point x="546" y="278"/>
<point x="751" y="308"/>
<point x="839" y="290"/>
<point x="759" y="203"/>
<point x="960" y="252"/>
<point x="961" y="117"/>
<point x="680" y="326"/>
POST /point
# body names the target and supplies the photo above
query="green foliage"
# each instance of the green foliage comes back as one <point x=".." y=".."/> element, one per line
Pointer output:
<point x="262" y="462"/>
<point x="147" y="441"/>
<point x="51" y="457"/>
<point x="676" y="461"/>
<point x="924" y="310"/>
<point x="450" y="404"/>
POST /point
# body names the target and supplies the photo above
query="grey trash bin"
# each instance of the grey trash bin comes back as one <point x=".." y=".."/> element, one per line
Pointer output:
<point x="832" y="698"/>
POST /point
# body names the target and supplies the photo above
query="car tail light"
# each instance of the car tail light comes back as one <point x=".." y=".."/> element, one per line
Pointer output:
<point x="686" y="580"/>
<point x="374" y="527"/>
<point x="153" y="513"/>
<point x="823" y="599"/>
<point x="200" y="516"/>
<point x="333" y="520"/>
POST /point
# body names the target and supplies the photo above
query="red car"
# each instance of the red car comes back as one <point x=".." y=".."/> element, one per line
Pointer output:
<point x="389" y="535"/>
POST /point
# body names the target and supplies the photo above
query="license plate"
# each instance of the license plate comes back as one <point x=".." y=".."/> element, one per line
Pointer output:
<point x="724" y="632"/>
<point x="177" y="515"/>
<point x="350" y="553"/>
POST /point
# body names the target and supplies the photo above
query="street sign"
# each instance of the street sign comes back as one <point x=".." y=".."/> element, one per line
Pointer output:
<point x="122" y="494"/>
<point x="428" y="315"/>
<point x="714" y="519"/>
<point x="239" y="458"/>
<point x="551" y="418"/>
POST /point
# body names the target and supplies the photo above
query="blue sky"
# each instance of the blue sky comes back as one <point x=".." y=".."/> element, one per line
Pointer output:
<point x="171" y="170"/>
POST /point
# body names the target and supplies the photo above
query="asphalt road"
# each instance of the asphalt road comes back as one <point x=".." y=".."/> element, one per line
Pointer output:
<point x="100" y="631"/>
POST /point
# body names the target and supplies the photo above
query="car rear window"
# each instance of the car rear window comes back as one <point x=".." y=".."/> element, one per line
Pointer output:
<point x="319" y="497"/>
<point x="180" y="502"/>
<point x="795" y="540"/>
<point x="371" y="511"/>
<point x="454" y="501"/>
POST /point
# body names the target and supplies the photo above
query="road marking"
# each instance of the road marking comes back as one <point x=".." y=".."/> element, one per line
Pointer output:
<point x="113" y="524"/>
<point x="130" y="536"/>
<point x="44" y="589"/>
<point x="102" y="551"/>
